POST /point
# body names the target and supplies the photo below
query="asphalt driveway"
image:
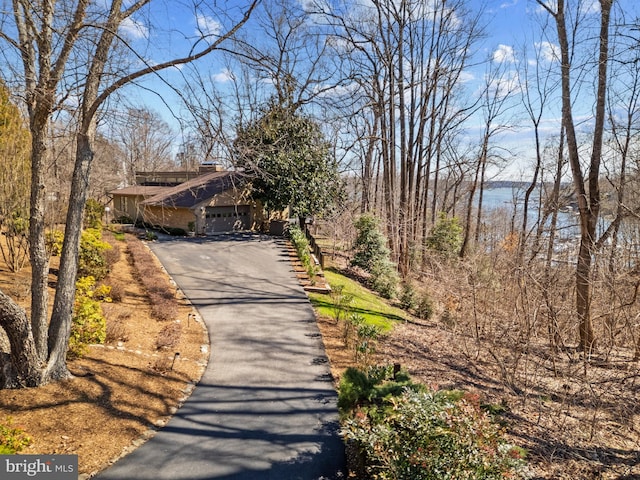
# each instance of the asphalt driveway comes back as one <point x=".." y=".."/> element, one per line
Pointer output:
<point x="265" y="407"/>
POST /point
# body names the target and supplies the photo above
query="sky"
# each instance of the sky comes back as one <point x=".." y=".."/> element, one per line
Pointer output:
<point x="511" y="25"/>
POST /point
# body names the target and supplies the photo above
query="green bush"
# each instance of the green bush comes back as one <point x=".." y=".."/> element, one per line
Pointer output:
<point x="92" y="260"/>
<point x="408" y="297"/>
<point x="434" y="436"/>
<point x="446" y="236"/>
<point x="88" y="323"/>
<point x="370" y="247"/>
<point x="12" y="439"/>
<point x="403" y="431"/>
<point x="93" y="213"/>
<point x="424" y="309"/>
<point x="301" y="244"/>
<point x="123" y="219"/>
<point x="53" y="242"/>
<point x="150" y="236"/>
<point x="372" y="255"/>
<point x="366" y="390"/>
<point x="384" y="278"/>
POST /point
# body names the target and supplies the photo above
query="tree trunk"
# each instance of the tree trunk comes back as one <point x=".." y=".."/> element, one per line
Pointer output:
<point x="588" y="200"/>
<point x="23" y="367"/>
<point x="38" y="255"/>
<point x="61" y="317"/>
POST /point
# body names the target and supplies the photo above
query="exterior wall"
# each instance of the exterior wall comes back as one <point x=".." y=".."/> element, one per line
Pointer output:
<point x="164" y="178"/>
<point x="169" y="216"/>
<point x="228" y="198"/>
<point x="127" y="205"/>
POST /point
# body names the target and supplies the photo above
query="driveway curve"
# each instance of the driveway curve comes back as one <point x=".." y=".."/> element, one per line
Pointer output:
<point x="265" y="407"/>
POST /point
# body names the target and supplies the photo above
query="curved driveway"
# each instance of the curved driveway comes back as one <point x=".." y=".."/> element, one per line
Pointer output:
<point x="265" y="407"/>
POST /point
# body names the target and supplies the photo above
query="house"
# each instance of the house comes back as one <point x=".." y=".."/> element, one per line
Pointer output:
<point x="214" y="201"/>
<point x="127" y="201"/>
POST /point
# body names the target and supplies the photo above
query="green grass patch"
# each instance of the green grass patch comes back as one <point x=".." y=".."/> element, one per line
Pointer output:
<point x="375" y="310"/>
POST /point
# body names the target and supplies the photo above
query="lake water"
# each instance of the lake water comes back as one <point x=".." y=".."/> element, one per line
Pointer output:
<point x="508" y="198"/>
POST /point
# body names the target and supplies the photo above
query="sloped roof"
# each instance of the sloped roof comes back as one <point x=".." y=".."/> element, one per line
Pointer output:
<point x="196" y="190"/>
<point x="139" y="190"/>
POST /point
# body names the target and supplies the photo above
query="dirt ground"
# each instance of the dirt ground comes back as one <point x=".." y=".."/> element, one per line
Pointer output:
<point x="574" y="427"/>
<point x="121" y="392"/>
<point x="577" y="420"/>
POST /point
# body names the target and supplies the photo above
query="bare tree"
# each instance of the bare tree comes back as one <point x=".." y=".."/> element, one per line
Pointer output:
<point x="497" y="100"/>
<point x="586" y="180"/>
<point x="49" y="42"/>
<point x="536" y="85"/>
<point x="405" y="61"/>
<point x="145" y="140"/>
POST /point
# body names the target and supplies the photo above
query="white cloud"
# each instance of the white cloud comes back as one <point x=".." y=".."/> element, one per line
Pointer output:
<point x="513" y="3"/>
<point x="591" y="6"/>
<point x="208" y="26"/>
<point x="224" y="76"/>
<point x="586" y="7"/>
<point x="466" y="77"/>
<point x="548" y="51"/>
<point x="504" y="54"/>
<point x="133" y="29"/>
<point x="505" y="85"/>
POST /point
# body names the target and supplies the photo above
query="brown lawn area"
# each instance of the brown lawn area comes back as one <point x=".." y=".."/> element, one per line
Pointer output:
<point x="121" y="391"/>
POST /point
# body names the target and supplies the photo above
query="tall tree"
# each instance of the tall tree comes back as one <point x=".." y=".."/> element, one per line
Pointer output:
<point x="405" y="61"/>
<point x="14" y="195"/>
<point x="586" y="175"/>
<point x="497" y="99"/>
<point x="50" y="44"/>
<point x="145" y="140"/>
<point x="288" y="160"/>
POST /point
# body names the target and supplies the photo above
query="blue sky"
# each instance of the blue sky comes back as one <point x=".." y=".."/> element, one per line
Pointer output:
<point x="511" y="25"/>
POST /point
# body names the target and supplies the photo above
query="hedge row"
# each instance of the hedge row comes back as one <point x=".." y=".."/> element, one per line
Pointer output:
<point x="164" y="305"/>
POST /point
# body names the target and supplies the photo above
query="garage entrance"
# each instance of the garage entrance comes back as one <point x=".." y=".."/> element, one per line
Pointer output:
<point x="227" y="219"/>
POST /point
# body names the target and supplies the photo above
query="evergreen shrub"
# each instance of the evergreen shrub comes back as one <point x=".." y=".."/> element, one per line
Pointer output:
<point x="404" y="431"/>
<point x="92" y="260"/>
<point x="89" y="325"/>
<point x="12" y="439"/>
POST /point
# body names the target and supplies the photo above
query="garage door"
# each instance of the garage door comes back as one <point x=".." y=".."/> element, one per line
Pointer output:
<point x="226" y="219"/>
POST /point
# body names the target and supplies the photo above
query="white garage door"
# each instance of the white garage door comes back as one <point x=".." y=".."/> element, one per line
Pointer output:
<point x="226" y="219"/>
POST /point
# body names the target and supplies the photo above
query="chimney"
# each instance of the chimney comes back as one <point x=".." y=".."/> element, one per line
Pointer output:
<point x="208" y="167"/>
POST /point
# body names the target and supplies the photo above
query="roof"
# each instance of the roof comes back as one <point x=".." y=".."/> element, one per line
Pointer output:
<point x="196" y="190"/>
<point x="139" y="190"/>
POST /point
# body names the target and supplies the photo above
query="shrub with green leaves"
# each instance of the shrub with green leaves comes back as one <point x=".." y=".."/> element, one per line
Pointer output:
<point x="12" y="439"/>
<point x="404" y="431"/>
<point x="370" y="247"/>
<point x="53" y="241"/>
<point x="364" y="390"/>
<point x="372" y="255"/>
<point x="434" y="436"/>
<point x="384" y="279"/>
<point x="408" y="297"/>
<point x="89" y="325"/>
<point x="301" y="244"/>
<point x="424" y="309"/>
<point x="446" y="236"/>
<point x="92" y="260"/>
<point x="93" y="213"/>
